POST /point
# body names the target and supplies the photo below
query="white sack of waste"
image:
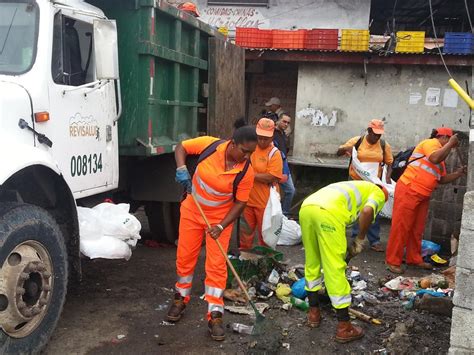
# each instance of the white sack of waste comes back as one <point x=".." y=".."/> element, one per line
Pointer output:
<point x="369" y="172"/>
<point x="108" y="231"/>
<point x="290" y="232"/>
<point x="272" y="219"/>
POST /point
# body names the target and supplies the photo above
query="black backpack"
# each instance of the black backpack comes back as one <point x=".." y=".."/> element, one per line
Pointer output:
<point x="211" y="149"/>
<point x="401" y="161"/>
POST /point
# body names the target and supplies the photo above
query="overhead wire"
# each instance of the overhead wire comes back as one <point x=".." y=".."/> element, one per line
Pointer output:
<point x="468" y="16"/>
<point x="436" y="38"/>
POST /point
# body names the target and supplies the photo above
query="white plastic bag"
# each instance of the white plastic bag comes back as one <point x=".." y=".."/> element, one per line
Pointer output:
<point x="272" y="219"/>
<point x="108" y="231"/>
<point x="369" y="172"/>
<point x="290" y="232"/>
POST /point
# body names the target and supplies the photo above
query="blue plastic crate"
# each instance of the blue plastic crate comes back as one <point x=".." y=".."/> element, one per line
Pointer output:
<point x="458" y="43"/>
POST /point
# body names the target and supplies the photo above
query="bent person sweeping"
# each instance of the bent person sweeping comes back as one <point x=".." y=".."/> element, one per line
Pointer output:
<point x="221" y="184"/>
<point x="324" y="216"/>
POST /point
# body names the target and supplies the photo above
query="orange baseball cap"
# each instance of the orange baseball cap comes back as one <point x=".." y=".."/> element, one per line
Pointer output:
<point x="265" y="127"/>
<point x="377" y="126"/>
<point x="189" y="7"/>
<point x="444" y="131"/>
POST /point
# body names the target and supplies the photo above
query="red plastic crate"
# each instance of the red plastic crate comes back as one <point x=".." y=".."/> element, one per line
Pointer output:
<point x="321" y="39"/>
<point x="253" y="37"/>
<point x="285" y="39"/>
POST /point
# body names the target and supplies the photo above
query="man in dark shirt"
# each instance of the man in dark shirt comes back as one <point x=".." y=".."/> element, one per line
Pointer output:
<point x="281" y="142"/>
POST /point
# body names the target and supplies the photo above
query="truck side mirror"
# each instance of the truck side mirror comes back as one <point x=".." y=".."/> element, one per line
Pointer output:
<point x="105" y="49"/>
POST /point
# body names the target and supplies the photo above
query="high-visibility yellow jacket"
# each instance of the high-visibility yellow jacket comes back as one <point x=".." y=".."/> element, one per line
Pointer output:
<point x="344" y="200"/>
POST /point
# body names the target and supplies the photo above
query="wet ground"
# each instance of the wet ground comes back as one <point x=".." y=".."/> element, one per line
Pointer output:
<point x="120" y="306"/>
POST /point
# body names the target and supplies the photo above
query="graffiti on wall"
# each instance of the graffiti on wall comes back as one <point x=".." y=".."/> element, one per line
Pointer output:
<point x="232" y="17"/>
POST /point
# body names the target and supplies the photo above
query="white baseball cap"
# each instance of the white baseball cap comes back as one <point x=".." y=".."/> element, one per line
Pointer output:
<point x="273" y="101"/>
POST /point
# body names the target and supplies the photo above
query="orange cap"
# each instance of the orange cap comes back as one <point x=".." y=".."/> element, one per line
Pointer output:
<point x="444" y="131"/>
<point x="265" y="127"/>
<point x="189" y="7"/>
<point x="377" y="126"/>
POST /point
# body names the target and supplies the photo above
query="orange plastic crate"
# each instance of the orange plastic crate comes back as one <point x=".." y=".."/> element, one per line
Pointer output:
<point x="253" y="37"/>
<point x="285" y="39"/>
<point x="321" y="39"/>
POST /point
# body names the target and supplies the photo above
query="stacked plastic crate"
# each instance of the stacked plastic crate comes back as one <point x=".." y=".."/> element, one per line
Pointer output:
<point x="410" y="42"/>
<point x="253" y="37"/>
<point x="458" y="43"/>
<point x="355" y="40"/>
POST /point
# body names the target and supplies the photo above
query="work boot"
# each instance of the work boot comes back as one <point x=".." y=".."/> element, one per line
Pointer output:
<point x="216" y="327"/>
<point x="395" y="269"/>
<point x="314" y="317"/>
<point x="424" y="266"/>
<point x="347" y="332"/>
<point x="177" y="308"/>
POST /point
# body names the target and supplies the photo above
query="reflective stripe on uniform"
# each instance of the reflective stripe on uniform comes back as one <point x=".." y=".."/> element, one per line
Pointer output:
<point x="212" y="307"/>
<point x="340" y="300"/>
<point x="427" y="169"/>
<point x="356" y="193"/>
<point x="207" y="202"/>
<point x="185" y="279"/>
<point x="416" y="155"/>
<point x="370" y="200"/>
<point x="183" y="291"/>
<point x="313" y="283"/>
<point x="214" y="291"/>
<point x="345" y="193"/>
<point x="209" y="189"/>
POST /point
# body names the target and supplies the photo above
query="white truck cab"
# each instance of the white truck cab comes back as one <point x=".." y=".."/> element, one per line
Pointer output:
<point x="59" y="106"/>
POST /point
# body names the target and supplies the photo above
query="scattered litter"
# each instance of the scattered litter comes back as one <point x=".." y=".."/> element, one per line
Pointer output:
<point x="298" y="289"/>
<point x="263" y="290"/>
<point x="282" y="292"/>
<point x="168" y="290"/>
<point x="286" y="306"/>
<point x="121" y="336"/>
<point x="274" y="277"/>
<point x="355" y="275"/>
<point x="429" y="248"/>
<point x="235" y="295"/>
<point x="300" y="304"/>
<point x="364" y="317"/>
<point x="248" y="310"/>
<point x="242" y="328"/>
<point x="450" y="275"/>
<point x="286" y="346"/>
<point x="163" y="322"/>
<point x="359" y="285"/>
<point x="401" y="283"/>
<point x="433" y="304"/>
<point x="161" y="307"/>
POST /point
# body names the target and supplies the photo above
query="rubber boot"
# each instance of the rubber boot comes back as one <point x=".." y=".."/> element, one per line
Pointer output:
<point x="177" y="308"/>
<point x="347" y="332"/>
<point x="216" y="326"/>
<point x="314" y="317"/>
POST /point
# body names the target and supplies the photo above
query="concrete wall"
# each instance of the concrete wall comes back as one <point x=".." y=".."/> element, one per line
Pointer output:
<point x="289" y="14"/>
<point x="335" y="102"/>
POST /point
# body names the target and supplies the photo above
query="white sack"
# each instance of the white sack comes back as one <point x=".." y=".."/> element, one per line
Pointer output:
<point x="272" y="219"/>
<point x="105" y="247"/>
<point x="369" y="172"/>
<point x="290" y="232"/>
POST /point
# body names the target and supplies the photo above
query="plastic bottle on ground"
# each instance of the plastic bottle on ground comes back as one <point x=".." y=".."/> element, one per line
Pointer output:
<point x="242" y="328"/>
<point x="300" y="304"/>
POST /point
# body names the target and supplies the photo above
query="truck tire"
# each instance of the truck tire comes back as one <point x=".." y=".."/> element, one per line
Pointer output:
<point x="34" y="274"/>
<point x="163" y="220"/>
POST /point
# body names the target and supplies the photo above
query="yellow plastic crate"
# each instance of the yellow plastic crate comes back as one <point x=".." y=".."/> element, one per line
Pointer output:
<point x="410" y="42"/>
<point x="355" y="40"/>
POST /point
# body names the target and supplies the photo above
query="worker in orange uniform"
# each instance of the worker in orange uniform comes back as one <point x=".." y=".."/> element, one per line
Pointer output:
<point x="426" y="168"/>
<point x="268" y="166"/>
<point x="371" y="148"/>
<point x="221" y="183"/>
<point x="190" y="8"/>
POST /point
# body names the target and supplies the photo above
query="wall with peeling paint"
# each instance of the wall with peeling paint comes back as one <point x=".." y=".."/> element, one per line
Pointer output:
<point x="335" y="102"/>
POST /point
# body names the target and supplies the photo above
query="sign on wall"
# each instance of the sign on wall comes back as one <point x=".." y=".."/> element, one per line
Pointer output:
<point x="232" y="17"/>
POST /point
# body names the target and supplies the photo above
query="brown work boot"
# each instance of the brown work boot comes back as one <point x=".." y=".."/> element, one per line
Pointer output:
<point x="347" y="332"/>
<point x="177" y="308"/>
<point x="424" y="266"/>
<point x="395" y="269"/>
<point x="314" y="317"/>
<point x="216" y="327"/>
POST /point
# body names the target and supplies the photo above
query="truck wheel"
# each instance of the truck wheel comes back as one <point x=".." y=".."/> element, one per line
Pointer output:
<point x="33" y="274"/>
<point x="163" y="219"/>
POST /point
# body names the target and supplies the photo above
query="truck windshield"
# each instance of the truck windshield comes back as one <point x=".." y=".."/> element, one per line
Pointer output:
<point x="18" y="35"/>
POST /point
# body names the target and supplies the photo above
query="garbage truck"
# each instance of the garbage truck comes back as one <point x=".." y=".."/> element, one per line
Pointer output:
<point x="94" y="97"/>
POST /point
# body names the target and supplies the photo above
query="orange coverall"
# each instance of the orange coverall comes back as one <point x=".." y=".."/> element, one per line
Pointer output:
<point x="213" y="187"/>
<point x="411" y="204"/>
<point x="263" y="161"/>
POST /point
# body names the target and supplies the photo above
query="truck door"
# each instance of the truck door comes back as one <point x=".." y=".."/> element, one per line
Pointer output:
<point x="83" y="109"/>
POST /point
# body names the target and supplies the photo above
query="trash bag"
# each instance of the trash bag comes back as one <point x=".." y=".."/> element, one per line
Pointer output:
<point x="290" y="232"/>
<point x="429" y="248"/>
<point x="369" y="172"/>
<point x="108" y="231"/>
<point x="272" y="219"/>
<point x="297" y="289"/>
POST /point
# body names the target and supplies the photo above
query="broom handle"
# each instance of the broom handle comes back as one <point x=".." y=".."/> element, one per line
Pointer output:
<point x="236" y="275"/>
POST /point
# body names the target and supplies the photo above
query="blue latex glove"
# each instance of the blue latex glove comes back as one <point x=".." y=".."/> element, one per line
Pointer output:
<point x="183" y="177"/>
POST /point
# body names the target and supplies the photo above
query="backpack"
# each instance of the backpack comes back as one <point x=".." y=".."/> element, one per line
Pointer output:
<point x="359" y="142"/>
<point x="401" y="161"/>
<point x="211" y="149"/>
